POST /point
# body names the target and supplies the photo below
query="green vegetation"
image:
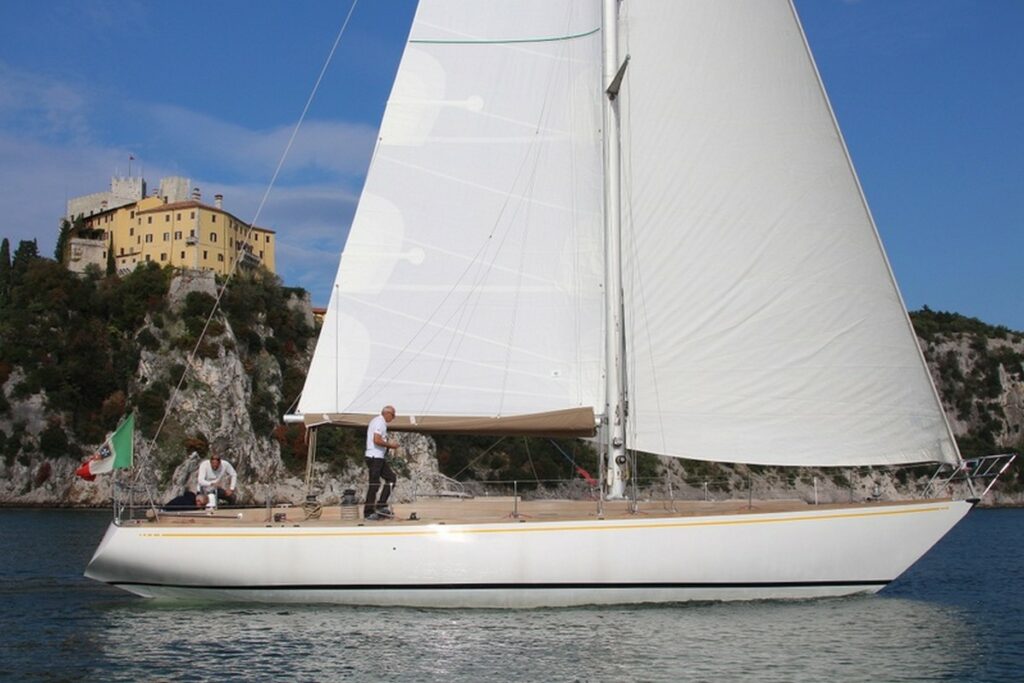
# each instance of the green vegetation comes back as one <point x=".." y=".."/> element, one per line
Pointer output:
<point x="930" y="324"/>
<point x="970" y="383"/>
<point x="77" y="340"/>
<point x="257" y="307"/>
<point x="525" y="460"/>
<point x="5" y="270"/>
<point x="73" y="338"/>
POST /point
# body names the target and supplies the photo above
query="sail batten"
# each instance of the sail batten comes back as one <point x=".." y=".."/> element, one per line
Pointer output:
<point x="500" y="41"/>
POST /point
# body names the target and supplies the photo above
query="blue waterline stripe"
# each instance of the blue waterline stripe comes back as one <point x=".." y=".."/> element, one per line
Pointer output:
<point x="506" y="41"/>
<point x="513" y="586"/>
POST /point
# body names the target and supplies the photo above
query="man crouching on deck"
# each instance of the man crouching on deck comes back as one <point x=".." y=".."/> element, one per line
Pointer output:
<point x="377" y="446"/>
<point x="216" y="476"/>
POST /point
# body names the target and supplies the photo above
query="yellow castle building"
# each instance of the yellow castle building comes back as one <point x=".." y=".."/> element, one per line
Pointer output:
<point x="167" y="228"/>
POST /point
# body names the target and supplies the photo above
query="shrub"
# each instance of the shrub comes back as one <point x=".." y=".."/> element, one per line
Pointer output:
<point x="147" y="340"/>
<point x="53" y="442"/>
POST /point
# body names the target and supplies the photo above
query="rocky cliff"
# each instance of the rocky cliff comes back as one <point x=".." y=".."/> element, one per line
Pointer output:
<point x="199" y="382"/>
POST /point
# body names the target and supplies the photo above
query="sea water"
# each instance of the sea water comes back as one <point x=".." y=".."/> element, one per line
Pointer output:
<point x="958" y="615"/>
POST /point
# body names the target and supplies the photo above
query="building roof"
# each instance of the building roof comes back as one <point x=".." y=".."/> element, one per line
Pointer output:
<point x="192" y="204"/>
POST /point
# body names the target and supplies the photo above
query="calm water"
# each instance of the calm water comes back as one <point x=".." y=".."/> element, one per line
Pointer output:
<point x="956" y="616"/>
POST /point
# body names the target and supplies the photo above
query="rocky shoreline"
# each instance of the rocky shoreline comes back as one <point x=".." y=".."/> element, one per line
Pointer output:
<point x="235" y="386"/>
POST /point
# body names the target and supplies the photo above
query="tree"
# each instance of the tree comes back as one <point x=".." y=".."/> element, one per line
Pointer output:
<point x="111" y="262"/>
<point x="5" y="270"/>
<point x="27" y="252"/>
<point x="63" y="237"/>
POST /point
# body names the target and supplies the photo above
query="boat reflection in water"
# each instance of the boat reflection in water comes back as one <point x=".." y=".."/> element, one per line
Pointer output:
<point x="849" y="639"/>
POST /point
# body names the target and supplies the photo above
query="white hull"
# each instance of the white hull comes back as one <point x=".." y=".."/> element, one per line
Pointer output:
<point x="810" y="553"/>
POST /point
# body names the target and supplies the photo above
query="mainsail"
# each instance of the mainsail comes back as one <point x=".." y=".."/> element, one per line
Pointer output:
<point x="766" y="326"/>
<point x="762" y="321"/>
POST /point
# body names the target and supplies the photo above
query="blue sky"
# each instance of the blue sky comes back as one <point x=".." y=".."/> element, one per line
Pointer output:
<point x="928" y="94"/>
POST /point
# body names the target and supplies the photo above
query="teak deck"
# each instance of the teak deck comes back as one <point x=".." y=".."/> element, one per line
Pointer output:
<point x="488" y="510"/>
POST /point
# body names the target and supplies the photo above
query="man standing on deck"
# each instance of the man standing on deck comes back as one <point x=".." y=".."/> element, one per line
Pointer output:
<point x="377" y="446"/>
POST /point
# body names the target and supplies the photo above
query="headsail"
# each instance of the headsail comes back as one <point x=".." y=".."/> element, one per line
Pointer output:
<point x="470" y="285"/>
<point x="766" y="326"/>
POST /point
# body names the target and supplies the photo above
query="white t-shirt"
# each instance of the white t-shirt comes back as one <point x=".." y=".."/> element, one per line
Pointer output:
<point x="378" y="425"/>
<point x="209" y="477"/>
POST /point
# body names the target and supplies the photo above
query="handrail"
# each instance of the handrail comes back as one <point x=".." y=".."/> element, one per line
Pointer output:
<point x="984" y="469"/>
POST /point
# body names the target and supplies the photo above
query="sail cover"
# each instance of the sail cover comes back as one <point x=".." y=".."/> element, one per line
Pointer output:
<point x="471" y="283"/>
<point x="765" y="324"/>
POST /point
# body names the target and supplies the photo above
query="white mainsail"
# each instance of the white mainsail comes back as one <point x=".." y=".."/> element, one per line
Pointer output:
<point x="471" y="281"/>
<point x="766" y="326"/>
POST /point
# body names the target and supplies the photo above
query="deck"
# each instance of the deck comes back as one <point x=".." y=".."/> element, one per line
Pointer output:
<point x="487" y="510"/>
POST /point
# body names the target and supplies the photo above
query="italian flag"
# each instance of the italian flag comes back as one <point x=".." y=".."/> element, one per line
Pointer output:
<point x="115" y="453"/>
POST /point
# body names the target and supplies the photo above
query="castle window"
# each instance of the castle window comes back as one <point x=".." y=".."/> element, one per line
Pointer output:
<point x="167" y="236"/>
<point x="213" y="237"/>
<point x="193" y="215"/>
<point x="149" y="220"/>
<point x="182" y="256"/>
<point x="213" y="218"/>
<point x="131" y="232"/>
<point x="204" y="254"/>
<point x="163" y="257"/>
<point x="167" y="218"/>
<point x="132" y="215"/>
<point x="179" y="216"/>
<point x="268" y="238"/>
<point x="147" y="258"/>
<point x="220" y="257"/>
<point x="177" y="234"/>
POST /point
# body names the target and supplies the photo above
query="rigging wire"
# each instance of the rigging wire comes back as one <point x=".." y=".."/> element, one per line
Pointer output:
<point x="526" y="443"/>
<point x="137" y="474"/>
<point x="482" y="454"/>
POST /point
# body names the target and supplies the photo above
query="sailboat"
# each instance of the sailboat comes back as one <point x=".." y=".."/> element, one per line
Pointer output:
<point x="632" y="220"/>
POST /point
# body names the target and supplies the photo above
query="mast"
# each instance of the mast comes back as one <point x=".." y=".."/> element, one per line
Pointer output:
<point x="615" y="414"/>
